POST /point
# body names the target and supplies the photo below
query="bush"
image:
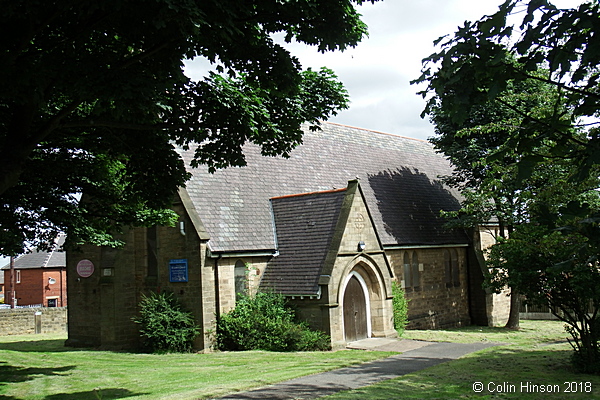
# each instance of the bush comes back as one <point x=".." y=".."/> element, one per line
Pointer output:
<point x="266" y="322"/>
<point x="165" y="325"/>
<point x="400" y="306"/>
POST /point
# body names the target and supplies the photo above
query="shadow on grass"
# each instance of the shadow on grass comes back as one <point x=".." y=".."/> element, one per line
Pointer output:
<point x="54" y="346"/>
<point x="11" y="374"/>
<point x="104" y="394"/>
<point x="43" y="345"/>
<point x="506" y="373"/>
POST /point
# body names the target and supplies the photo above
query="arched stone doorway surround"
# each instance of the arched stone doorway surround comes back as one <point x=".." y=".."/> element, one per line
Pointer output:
<point x="376" y="289"/>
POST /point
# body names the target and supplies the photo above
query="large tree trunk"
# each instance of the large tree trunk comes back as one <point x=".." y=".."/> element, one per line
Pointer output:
<point x="513" y="316"/>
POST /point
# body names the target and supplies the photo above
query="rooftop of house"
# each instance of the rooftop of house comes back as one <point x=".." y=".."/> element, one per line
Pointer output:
<point x="42" y="259"/>
<point x="399" y="176"/>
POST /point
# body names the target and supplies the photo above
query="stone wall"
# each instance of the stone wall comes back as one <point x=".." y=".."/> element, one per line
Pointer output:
<point x="498" y="305"/>
<point x="434" y="304"/>
<point x="22" y="321"/>
<point x="104" y="303"/>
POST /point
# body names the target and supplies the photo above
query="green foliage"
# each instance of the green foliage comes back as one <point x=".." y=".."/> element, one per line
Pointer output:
<point x="484" y="58"/>
<point x="559" y="268"/>
<point x="94" y="100"/>
<point x="400" y="306"/>
<point x="517" y="109"/>
<point x="164" y="325"/>
<point x="266" y="322"/>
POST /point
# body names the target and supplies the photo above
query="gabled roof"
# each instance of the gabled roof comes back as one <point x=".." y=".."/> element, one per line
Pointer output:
<point x="42" y="259"/>
<point x="304" y="224"/>
<point x="399" y="177"/>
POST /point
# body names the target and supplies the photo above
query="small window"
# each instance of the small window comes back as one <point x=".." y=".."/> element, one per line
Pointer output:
<point x="448" y="268"/>
<point x="18" y="277"/>
<point x="407" y="274"/>
<point x="412" y="275"/>
<point x="51" y="302"/>
<point x="455" y="269"/>
<point x="452" y="268"/>
<point x="416" y="274"/>
<point x="241" y="279"/>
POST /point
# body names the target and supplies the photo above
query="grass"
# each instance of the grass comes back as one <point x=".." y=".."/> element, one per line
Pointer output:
<point x="537" y="354"/>
<point x="40" y="367"/>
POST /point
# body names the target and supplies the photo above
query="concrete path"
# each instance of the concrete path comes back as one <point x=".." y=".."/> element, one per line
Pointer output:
<point x="416" y="355"/>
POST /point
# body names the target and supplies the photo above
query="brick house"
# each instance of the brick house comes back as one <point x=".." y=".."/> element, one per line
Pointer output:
<point x="40" y="278"/>
<point x="330" y="227"/>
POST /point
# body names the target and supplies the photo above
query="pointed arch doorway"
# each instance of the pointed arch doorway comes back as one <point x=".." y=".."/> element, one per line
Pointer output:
<point x="355" y="310"/>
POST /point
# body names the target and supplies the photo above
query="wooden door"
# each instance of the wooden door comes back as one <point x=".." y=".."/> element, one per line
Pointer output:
<point x="355" y="311"/>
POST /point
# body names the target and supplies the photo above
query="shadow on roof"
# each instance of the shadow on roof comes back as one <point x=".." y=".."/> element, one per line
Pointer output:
<point x="410" y="205"/>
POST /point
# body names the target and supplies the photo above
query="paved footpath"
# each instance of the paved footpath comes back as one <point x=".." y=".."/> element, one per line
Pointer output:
<point x="416" y="355"/>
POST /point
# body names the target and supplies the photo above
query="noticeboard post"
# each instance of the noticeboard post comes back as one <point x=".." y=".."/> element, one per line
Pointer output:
<point x="178" y="270"/>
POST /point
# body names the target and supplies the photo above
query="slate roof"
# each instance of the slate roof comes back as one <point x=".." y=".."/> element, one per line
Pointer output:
<point x="399" y="177"/>
<point x="42" y="259"/>
<point x="304" y="224"/>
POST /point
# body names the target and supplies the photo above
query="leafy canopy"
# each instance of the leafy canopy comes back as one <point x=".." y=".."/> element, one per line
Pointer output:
<point x="541" y="159"/>
<point x="94" y="100"/>
<point x="478" y="63"/>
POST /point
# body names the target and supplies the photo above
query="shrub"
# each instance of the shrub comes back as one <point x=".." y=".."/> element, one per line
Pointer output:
<point x="165" y="325"/>
<point x="400" y="307"/>
<point x="266" y="322"/>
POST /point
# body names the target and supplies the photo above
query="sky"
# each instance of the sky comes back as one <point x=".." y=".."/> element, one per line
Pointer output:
<point x="377" y="73"/>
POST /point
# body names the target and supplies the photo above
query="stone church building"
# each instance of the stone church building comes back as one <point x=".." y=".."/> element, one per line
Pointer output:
<point x="331" y="227"/>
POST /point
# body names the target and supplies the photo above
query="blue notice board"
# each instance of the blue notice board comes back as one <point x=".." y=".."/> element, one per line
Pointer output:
<point x="178" y="270"/>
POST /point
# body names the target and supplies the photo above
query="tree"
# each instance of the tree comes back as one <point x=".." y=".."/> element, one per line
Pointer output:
<point x="557" y="268"/>
<point x="94" y="101"/>
<point x="553" y="255"/>
<point x="492" y="188"/>
<point x="478" y="62"/>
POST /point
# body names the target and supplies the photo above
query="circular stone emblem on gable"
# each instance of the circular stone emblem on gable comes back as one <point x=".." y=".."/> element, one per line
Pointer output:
<point x="85" y="268"/>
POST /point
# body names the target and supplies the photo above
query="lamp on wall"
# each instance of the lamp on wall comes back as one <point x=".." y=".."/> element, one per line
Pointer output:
<point x="51" y="281"/>
<point x="361" y="246"/>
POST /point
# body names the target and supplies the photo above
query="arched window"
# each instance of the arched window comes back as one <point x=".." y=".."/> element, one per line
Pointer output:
<point x="241" y="279"/>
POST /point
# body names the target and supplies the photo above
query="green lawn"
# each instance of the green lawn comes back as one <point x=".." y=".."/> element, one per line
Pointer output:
<point x="40" y="367"/>
<point x="535" y="355"/>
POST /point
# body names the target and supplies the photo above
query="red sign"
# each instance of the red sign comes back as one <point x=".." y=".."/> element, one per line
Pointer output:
<point x="85" y="268"/>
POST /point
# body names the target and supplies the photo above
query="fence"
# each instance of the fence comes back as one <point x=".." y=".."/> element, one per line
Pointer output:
<point x="26" y="320"/>
<point x="535" y="312"/>
<point x="528" y="311"/>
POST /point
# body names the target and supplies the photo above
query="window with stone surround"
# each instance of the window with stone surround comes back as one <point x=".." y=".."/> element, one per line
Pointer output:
<point x="241" y="279"/>
<point x="412" y="275"/>
<point x="451" y="268"/>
